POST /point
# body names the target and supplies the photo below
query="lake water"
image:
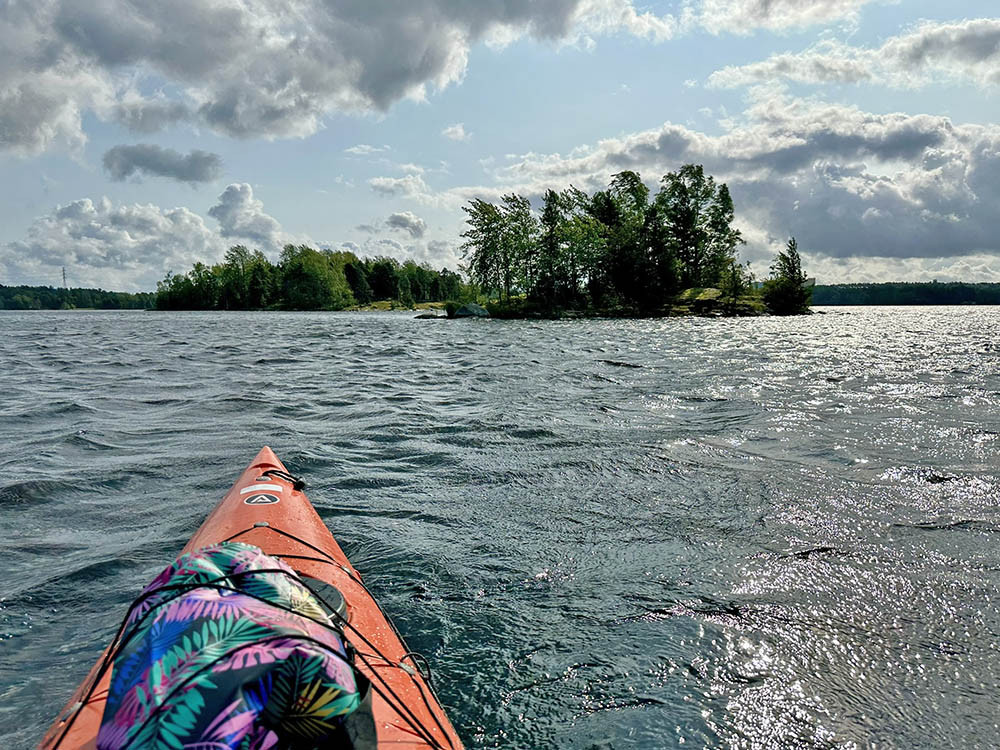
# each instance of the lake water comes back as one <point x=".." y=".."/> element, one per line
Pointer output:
<point x="759" y="533"/>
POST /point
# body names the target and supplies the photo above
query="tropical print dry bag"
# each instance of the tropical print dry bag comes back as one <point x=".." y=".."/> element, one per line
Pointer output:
<point x="223" y="651"/>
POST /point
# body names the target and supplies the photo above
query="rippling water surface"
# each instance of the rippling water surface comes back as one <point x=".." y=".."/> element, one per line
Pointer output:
<point x="603" y="534"/>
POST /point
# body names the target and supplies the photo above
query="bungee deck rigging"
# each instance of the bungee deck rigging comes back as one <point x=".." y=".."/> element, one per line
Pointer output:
<point x="267" y="511"/>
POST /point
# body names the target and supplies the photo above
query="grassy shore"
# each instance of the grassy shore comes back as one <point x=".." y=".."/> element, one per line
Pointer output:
<point x="702" y="302"/>
<point x="387" y="305"/>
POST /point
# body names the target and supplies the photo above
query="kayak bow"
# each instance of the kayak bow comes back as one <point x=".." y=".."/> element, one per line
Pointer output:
<point x="267" y="508"/>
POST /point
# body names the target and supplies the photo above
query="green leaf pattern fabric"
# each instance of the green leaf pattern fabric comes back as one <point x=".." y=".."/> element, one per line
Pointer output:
<point x="220" y="653"/>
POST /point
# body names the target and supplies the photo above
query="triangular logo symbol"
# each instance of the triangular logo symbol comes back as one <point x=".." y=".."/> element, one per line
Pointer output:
<point x="262" y="499"/>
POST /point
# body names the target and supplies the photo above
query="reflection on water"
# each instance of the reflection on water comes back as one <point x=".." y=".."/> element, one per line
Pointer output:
<point x="603" y="534"/>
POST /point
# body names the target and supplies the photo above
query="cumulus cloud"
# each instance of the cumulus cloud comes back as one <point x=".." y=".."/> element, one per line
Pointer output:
<point x="242" y="217"/>
<point x="456" y="132"/>
<point x="614" y="16"/>
<point x="966" y="51"/>
<point x="745" y="16"/>
<point x="408" y="222"/>
<point x="404" y="221"/>
<point x="260" y="68"/>
<point x="127" y="247"/>
<point x="131" y="247"/>
<point x="438" y="253"/>
<point x="256" y="68"/>
<point x="976" y="267"/>
<point x="144" y="159"/>
<point x="410" y="186"/>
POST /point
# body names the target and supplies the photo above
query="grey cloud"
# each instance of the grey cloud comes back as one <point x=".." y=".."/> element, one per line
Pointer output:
<point x="412" y="186"/>
<point x="407" y="221"/>
<point x="150" y="115"/>
<point x="404" y="221"/>
<point x="965" y="51"/>
<point x="824" y="64"/>
<point x="442" y="253"/>
<point x="242" y="216"/>
<point x="256" y="69"/>
<point x="35" y="114"/>
<point x="123" y="162"/>
<point x="971" y="42"/>
<point x="260" y="69"/>
<point x="745" y="16"/>
<point x="887" y="140"/>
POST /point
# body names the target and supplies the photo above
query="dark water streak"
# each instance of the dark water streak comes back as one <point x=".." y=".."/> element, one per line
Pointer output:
<point x="603" y="534"/>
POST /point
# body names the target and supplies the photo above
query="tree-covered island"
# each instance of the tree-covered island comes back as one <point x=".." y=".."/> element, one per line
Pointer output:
<point x="60" y="298"/>
<point x="618" y="252"/>
<point x="624" y="252"/>
<point x="307" y="279"/>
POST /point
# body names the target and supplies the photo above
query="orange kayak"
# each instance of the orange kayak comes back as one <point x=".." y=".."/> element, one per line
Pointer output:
<point x="267" y="508"/>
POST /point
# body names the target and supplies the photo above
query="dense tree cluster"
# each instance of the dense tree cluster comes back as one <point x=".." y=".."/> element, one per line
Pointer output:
<point x="304" y="279"/>
<point x="54" y="298"/>
<point x="908" y="293"/>
<point x="620" y="247"/>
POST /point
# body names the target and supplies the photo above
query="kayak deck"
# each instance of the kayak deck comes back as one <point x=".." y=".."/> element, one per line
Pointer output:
<point x="267" y="508"/>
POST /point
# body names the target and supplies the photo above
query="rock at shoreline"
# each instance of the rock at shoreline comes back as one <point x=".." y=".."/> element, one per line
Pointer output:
<point x="472" y="310"/>
<point x="429" y="316"/>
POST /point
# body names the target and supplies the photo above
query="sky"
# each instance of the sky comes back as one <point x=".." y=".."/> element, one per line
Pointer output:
<point x="138" y="137"/>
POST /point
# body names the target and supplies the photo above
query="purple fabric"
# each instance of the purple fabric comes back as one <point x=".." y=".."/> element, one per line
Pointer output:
<point x="219" y="670"/>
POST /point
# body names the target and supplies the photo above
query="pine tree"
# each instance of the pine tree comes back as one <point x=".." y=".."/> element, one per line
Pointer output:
<point x="786" y="293"/>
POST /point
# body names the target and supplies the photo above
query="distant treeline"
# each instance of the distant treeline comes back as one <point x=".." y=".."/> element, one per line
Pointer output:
<point x="620" y="247"/>
<point x="54" y="298"/>
<point x="906" y="293"/>
<point x="305" y="279"/>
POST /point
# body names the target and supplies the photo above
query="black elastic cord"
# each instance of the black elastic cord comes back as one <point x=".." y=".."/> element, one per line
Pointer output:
<point x="117" y="644"/>
<point x="400" y="706"/>
<point x="183" y="683"/>
<point x="421" y="663"/>
<point x="359" y="582"/>
<point x="120" y="643"/>
<point x="297" y="482"/>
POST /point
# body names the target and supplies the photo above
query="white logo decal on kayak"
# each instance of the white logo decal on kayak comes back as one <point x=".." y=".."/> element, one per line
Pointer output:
<point x="262" y="499"/>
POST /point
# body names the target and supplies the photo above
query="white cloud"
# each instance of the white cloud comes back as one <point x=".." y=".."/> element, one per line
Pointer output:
<point x="132" y="246"/>
<point x="456" y="132"/>
<point x="364" y="149"/>
<point x="124" y="247"/>
<point x="410" y="186"/>
<point x="242" y="217"/>
<point x="746" y="16"/>
<point x="617" y="16"/>
<point x="438" y="253"/>
<point x="875" y="269"/>
<point x="967" y="51"/>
